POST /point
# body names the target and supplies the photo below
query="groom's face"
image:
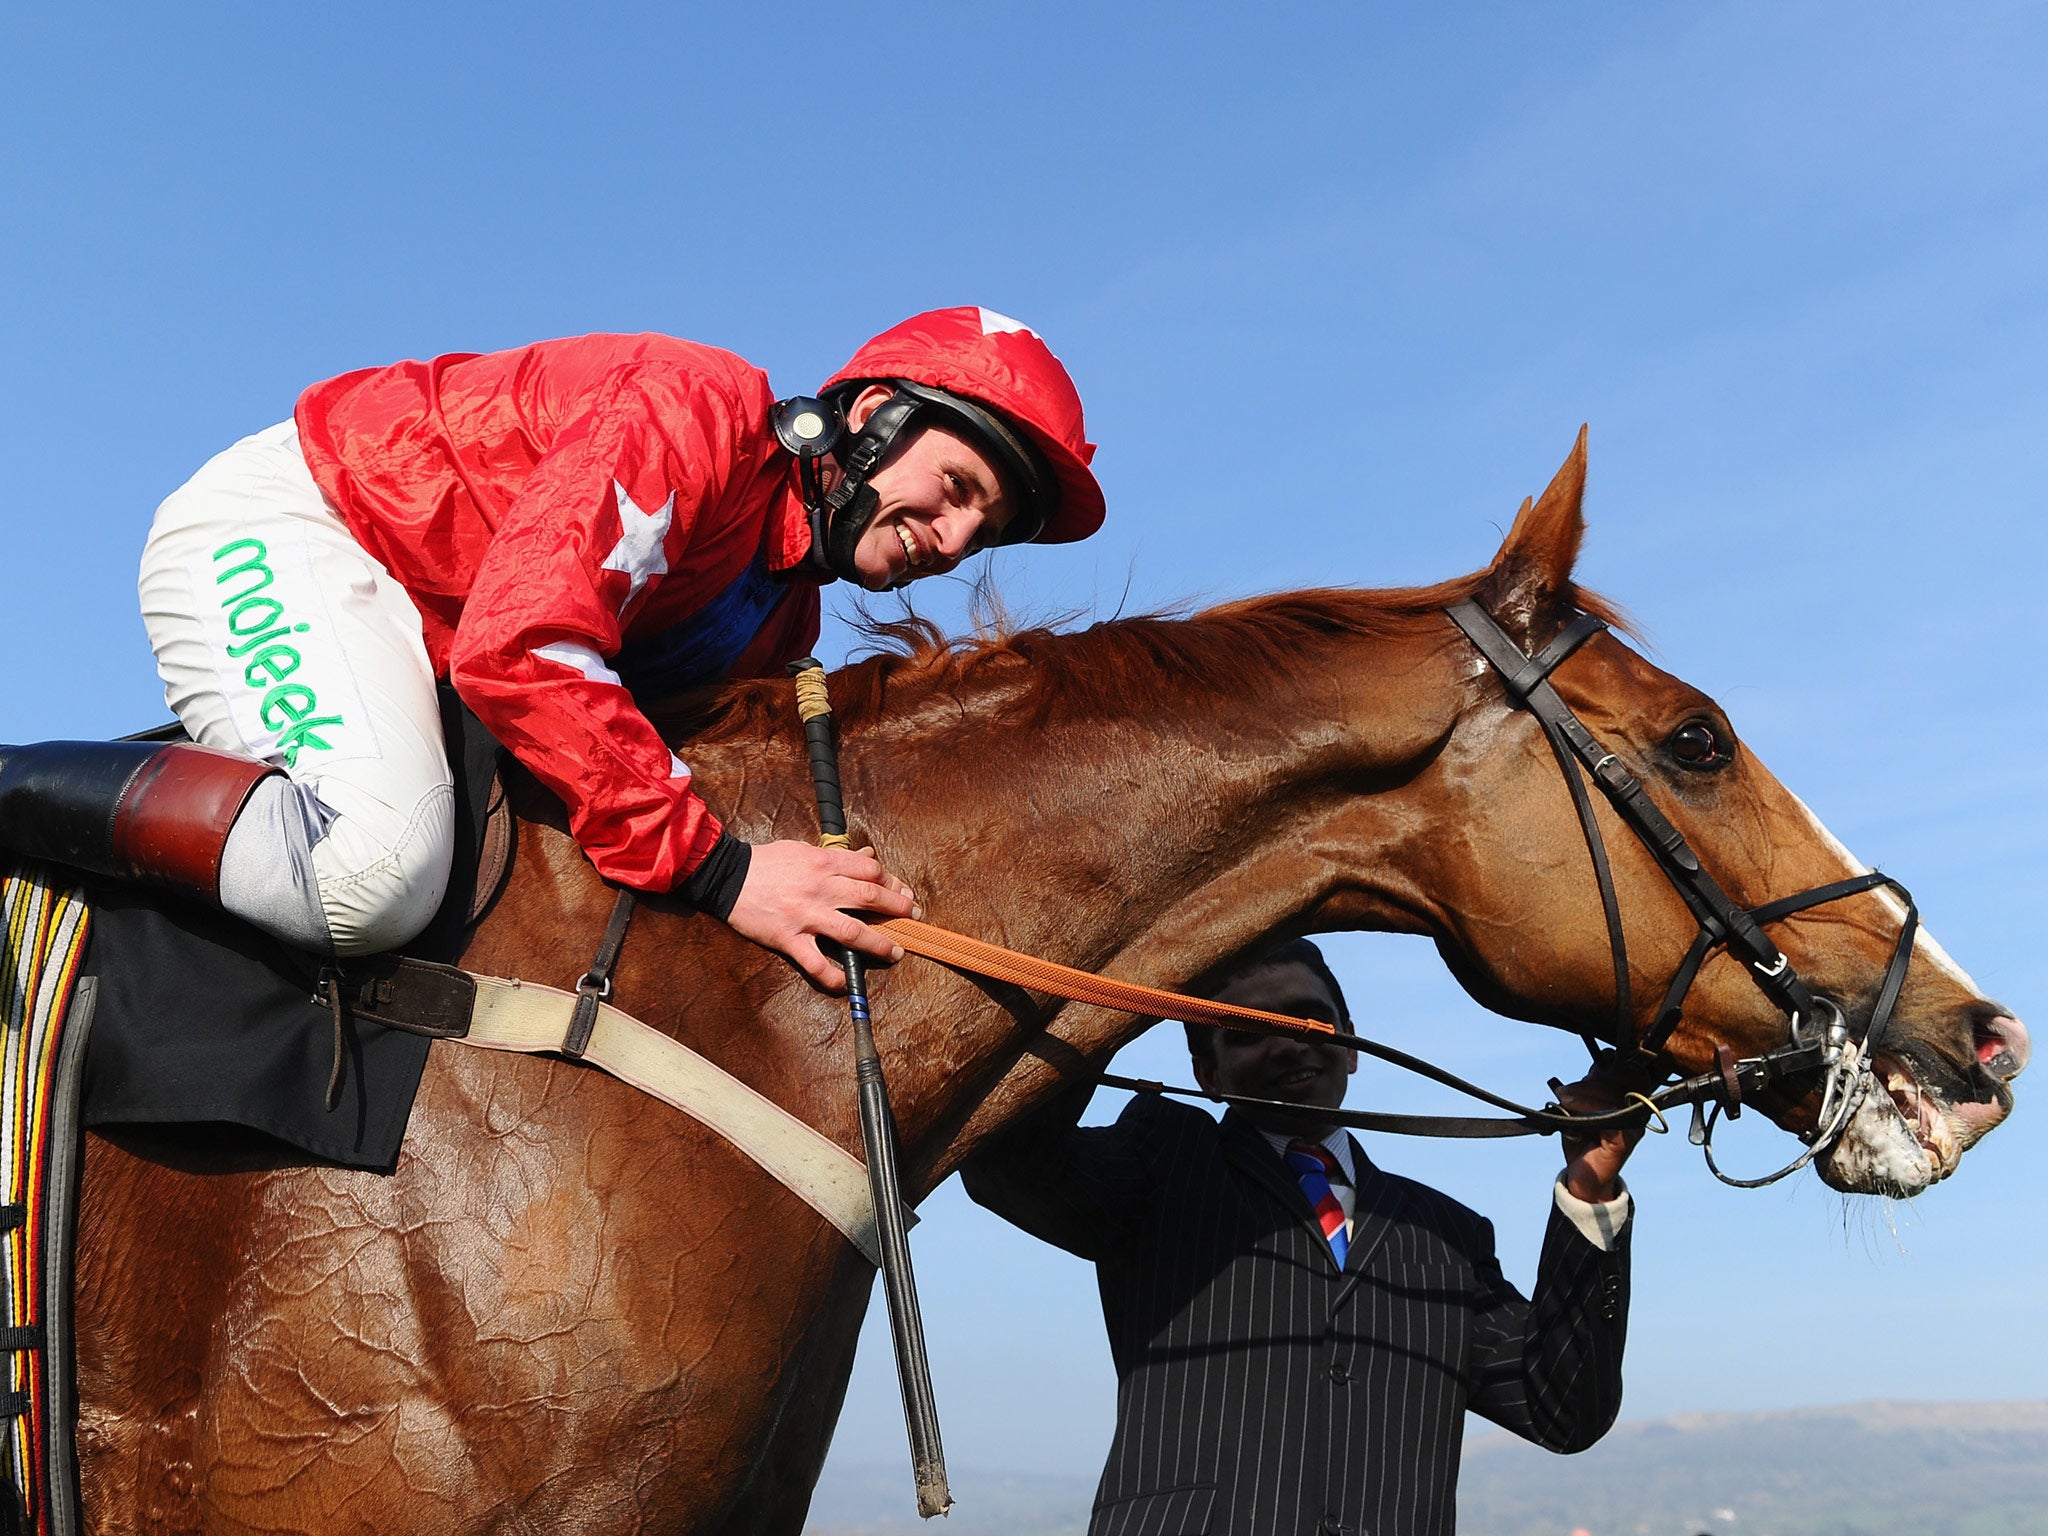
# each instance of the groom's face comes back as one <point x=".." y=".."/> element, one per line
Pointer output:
<point x="1306" y="1072"/>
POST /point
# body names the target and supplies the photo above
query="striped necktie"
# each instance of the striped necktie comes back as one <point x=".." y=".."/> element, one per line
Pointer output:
<point x="1313" y="1165"/>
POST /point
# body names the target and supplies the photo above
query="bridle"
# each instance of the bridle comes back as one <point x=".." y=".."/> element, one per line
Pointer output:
<point x="1820" y="1037"/>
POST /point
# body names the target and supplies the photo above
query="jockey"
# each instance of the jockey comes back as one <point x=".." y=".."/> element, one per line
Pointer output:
<point x="557" y="530"/>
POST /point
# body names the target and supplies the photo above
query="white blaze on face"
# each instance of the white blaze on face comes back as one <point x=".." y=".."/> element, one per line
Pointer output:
<point x="1925" y="945"/>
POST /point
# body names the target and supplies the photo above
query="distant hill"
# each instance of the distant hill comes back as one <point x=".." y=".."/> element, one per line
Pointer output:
<point x="1873" y="1469"/>
<point x="1870" y="1469"/>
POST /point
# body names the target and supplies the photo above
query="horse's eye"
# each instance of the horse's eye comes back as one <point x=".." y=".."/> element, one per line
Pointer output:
<point x="1697" y="744"/>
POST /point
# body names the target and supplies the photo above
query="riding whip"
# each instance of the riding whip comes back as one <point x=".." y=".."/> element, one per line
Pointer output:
<point x="877" y="1128"/>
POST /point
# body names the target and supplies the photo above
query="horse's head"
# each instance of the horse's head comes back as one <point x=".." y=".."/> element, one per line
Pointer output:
<point x="1528" y="936"/>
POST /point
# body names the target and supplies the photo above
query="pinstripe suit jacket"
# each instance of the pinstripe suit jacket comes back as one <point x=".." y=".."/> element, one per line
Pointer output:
<point x="1263" y="1391"/>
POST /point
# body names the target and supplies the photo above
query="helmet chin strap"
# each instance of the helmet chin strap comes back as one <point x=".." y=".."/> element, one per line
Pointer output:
<point x="840" y="517"/>
<point x="837" y="529"/>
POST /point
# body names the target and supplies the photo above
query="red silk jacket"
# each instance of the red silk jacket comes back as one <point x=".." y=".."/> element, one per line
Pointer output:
<point x="576" y="521"/>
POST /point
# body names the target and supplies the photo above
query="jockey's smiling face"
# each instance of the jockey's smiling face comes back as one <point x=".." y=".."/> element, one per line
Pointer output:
<point x="940" y="500"/>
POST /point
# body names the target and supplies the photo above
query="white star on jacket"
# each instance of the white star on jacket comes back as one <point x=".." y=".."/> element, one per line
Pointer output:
<point x="639" y="553"/>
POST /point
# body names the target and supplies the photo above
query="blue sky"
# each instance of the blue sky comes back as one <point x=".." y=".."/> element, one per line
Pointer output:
<point x="1339" y="285"/>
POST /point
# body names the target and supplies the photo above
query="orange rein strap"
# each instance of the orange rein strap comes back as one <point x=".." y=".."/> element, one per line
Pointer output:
<point x="980" y="958"/>
<point x="992" y="960"/>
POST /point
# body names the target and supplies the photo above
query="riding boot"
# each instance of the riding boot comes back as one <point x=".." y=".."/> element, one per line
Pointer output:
<point x="136" y="810"/>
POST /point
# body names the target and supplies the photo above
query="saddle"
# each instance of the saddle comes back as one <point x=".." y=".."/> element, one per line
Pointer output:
<point x="199" y="1020"/>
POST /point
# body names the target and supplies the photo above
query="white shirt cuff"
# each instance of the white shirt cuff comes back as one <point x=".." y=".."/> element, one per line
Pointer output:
<point x="1601" y="1222"/>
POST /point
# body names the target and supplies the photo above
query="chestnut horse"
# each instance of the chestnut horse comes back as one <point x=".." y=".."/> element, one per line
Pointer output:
<point x="572" y="1310"/>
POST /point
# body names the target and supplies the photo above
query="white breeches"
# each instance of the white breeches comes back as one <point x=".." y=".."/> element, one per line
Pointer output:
<point x="278" y="636"/>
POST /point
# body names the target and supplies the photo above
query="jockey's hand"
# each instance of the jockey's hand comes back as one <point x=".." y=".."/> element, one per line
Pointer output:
<point x="797" y="893"/>
<point x="1592" y="1169"/>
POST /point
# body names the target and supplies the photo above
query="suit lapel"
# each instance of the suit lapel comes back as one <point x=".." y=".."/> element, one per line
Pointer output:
<point x="1377" y="1201"/>
<point x="1252" y="1155"/>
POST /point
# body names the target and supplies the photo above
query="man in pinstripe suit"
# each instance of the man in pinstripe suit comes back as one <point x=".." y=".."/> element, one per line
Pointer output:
<point x="1267" y="1385"/>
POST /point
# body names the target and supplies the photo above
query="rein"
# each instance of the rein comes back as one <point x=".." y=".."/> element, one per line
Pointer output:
<point x="980" y="958"/>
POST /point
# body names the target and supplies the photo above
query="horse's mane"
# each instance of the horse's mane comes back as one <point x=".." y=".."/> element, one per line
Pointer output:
<point x="1118" y="666"/>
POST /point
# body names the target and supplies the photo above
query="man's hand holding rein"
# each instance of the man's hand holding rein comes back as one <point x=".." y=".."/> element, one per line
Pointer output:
<point x="797" y="894"/>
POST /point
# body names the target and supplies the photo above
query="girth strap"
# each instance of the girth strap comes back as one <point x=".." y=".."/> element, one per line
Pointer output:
<point x="520" y="1016"/>
<point x="444" y="1002"/>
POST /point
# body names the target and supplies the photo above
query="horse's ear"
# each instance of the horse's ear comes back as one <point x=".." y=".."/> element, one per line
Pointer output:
<point x="1528" y="588"/>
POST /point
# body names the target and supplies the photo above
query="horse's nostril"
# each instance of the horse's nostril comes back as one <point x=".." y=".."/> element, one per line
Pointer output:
<point x="2002" y="1045"/>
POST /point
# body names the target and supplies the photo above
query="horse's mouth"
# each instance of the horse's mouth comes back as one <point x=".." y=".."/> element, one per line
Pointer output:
<point x="1929" y="1120"/>
<point x="1907" y="1133"/>
<point x="1898" y="1142"/>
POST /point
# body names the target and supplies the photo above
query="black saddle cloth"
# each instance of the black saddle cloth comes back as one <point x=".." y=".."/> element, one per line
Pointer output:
<point x="202" y="1019"/>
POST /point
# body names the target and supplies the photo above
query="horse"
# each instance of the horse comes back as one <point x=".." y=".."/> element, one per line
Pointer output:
<point x="569" y="1309"/>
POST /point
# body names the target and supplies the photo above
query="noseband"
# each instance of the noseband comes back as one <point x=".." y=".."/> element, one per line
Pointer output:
<point x="1820" y="1037"/>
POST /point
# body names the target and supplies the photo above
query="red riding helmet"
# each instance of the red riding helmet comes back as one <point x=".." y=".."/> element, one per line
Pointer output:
<point x="1004" y="365"/>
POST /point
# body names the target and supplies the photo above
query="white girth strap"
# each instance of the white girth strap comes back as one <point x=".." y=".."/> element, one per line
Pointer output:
<point x="520" y="1016"/>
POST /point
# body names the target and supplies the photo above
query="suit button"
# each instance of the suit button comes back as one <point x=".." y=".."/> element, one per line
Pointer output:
<point x="1332" y="1526"/>
<point x="1339" y="1375"/>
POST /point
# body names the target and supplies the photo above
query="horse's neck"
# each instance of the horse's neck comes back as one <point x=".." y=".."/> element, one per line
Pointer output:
<point x="1084" y="834"/>
<point x="1153" y="847"/>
